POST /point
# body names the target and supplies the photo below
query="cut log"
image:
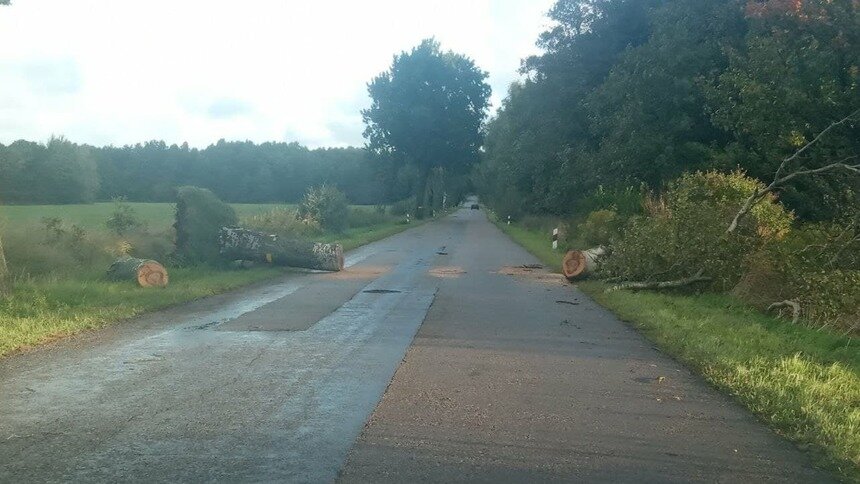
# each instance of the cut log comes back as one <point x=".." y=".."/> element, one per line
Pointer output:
<point x="243" y="244"/>
<point x="147" y="273"/>
<point x="579" y="263"/>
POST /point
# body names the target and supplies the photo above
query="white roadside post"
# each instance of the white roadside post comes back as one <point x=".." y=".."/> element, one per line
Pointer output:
<point x="509" y="219"/>
<point x="555" y="238"/>
<point x="407" y="218"/>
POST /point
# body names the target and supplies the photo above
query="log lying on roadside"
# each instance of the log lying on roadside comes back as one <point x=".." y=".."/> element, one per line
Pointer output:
<point x="579" y="263"/>
<point x="243" y="244"/>
<point x="147" y="273"/>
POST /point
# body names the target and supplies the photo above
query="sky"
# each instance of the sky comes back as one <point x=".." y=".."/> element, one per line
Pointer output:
<point x="126" y="71"/>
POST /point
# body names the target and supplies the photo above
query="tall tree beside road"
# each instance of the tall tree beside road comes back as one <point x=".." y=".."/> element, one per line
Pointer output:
<point x="427" y="112"/>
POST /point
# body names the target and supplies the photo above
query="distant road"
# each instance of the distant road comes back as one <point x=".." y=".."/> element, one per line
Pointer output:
<point x="513" y="376"/>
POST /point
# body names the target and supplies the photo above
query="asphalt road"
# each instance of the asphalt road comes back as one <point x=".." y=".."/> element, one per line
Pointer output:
<point x="513" y="376"/>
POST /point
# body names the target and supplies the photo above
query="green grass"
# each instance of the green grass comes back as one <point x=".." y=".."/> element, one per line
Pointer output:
<point x="92" y="216"/>
<point x="45" y="308"/>
<point x="803" y="383"/>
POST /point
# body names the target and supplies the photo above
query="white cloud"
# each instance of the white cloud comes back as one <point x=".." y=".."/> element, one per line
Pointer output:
<point x="126" y="71"/>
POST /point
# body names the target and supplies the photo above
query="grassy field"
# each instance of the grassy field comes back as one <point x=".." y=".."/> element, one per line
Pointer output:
<point x="803" y="383"/>
<point x="92" y="216"/>
<point x="59" y="303"/>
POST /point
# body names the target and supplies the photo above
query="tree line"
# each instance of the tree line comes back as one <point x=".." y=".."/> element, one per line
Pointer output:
<point x="60" y="172"/>
<point x="636" y="92"/>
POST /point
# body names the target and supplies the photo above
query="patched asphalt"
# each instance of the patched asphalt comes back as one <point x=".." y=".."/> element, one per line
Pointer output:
<point x="514" y="376"/>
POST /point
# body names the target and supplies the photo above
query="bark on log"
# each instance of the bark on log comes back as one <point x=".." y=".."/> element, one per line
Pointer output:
<point x="579" y="263"/>
<point x="699" y="277"/>
<point x="243" y="244"/>
<point x="147" y="273"/>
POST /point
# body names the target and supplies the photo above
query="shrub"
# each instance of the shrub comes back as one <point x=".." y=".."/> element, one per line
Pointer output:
<point x="283" y="222"/>
<point x="364" y="217"/>
<point x="327" y="206"/>
<point x="199" y="217"/>
<point x="123" y="219"/>
<point x="57" y="250"/>
<point x="689" y="233"/>
<point x="600" y="228"/>
<point x="508" y="204"/>
<point x="815" y="265"/>
<point x="624" y="201"/>
<point x="402" y="207"/>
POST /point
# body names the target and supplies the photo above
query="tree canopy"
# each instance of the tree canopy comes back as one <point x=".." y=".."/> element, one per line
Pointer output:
<point x="630" y="92"/>
<point x="427" y="112"/>
<point x="236" y="171"/>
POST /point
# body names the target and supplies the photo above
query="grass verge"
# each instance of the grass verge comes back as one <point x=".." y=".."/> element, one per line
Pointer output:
<point x="803" y="383"/>
<point x="47" y="308"/>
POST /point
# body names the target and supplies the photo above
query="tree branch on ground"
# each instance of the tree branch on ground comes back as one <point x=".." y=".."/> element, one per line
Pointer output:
<point x="794" y="305"/>
<point x="780" y="180"/>
<point x="636" y="285"/>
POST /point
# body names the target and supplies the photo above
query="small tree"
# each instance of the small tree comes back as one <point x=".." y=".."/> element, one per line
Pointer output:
<point x="200" y="215"/>
<point x="327" y="206"/>
<point x="123" y="219"/>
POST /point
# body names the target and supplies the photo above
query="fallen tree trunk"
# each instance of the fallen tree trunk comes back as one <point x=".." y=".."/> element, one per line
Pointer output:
<point x="699" y="277"/>
<point x="579" y="263"/>
<point x="243" y="244"/>
<point x="147" y="273"/>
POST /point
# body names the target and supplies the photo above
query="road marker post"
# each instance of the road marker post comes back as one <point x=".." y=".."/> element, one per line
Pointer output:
<point x="555" y="238"/>
<point x="509" y="219"/>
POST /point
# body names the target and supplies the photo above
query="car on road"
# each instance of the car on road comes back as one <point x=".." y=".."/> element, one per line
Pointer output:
<point x="475" y="206"/>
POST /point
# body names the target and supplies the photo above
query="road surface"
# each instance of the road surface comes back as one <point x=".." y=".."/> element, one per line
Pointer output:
<point x="514" y="376"/>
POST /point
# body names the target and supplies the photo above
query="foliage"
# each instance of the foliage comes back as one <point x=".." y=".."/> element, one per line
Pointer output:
<point x="365" y="217"/>
<point x="402" y="207"/>
<point x="601" y="227"/>
<point x="57" y="172"/>
<point x="624" y="201"/>
<point x="283" y="222"/>
<point x="816" y="265"/>
<point x="688" y="233"/>
<point x="426" y="112"/>
<point x="199" y="217"/>
<point x="123" y="219"/>
<point x="626" y="93"/>
<point x="326" y="206"/>
<point x="240" y="172"/>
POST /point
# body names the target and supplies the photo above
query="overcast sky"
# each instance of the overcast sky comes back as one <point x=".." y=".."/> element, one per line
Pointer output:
<point x="125" y="71"/>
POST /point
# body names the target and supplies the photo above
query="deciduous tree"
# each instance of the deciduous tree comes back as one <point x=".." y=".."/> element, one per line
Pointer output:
<point x="427" y="111"/>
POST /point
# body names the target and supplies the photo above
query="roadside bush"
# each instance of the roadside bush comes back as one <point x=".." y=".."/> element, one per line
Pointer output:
<point x="508" y="203"/>
<point x="283" y="222"/>
<point x="123" y="219"/>
<point x="601" y="227"/>
<point x="326" y="206"/>
<point x="624" y="201"/>
<point x="402" y="207"/>
<point x="687" y="233"/>
<point x="199" y="217"/>
<point x="815" y="265"/>
<point x="54" y="249"/>
<point x="365" y="217"/>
